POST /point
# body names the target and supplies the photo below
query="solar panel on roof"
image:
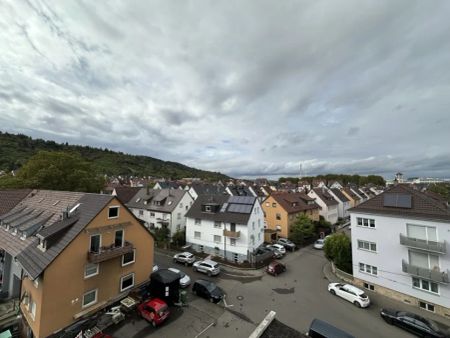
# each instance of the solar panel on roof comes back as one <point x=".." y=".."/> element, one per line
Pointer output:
<point x="242" y="199"/>
<point x="240" y="208"/>
<point x="397" y="200"/>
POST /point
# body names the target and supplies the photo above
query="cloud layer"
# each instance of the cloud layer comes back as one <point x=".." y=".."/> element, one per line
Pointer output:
<point x="245" y="88"/>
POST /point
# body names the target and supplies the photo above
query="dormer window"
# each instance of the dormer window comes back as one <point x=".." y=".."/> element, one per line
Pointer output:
<point x="169" y="203"/>
<point x="23" y="236"/>
<point x="208" y="208"/>
<point x="42" y="245"/>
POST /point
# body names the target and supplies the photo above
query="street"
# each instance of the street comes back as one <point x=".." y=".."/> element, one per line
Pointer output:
<point x="297" y="296"/>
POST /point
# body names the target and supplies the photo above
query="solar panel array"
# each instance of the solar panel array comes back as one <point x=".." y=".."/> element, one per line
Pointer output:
<point x="240" y="208"/>
<point x="397" y="200"/>
<point x="242" y="199"/>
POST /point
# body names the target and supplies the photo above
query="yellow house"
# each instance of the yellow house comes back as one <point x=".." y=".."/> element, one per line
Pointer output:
<point x="93" y="255"/>
<point x="281" y="211"/>
<point x="354" y="199"/>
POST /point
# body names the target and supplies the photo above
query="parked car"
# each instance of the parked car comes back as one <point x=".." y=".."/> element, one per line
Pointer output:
<point x="319" y="244"/>
<point x="155" y="311"/>
<point x="275" y="268"/>
<point x="415" y="324"/>
<point x="155" y="268"/>
<point x="275" y="253"/>
<point x="207" y="266"/>
<point x="184" y="257"/>
<point x="350" y="293"/>
<point x="320" y="329"/>
<point x="208" y="290"/>
<point x="185" y="280"/>
<point x="286" y="243"/>
<point x="280" y="248"/>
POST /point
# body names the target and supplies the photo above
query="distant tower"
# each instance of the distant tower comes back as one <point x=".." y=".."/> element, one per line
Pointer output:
<point x="399" y="177"/>
<point x="301" y="171"/>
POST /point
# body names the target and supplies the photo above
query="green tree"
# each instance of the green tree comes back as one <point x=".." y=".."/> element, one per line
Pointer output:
<point x="441" y="189"/>
<point x="302" y="229"/>
<point x="56" y="171"/>
<point x="179" y="238"/>
<point x="162" y="235"/>
<point x="338" y="248"/>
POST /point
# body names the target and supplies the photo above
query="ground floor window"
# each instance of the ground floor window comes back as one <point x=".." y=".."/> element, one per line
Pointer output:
<point x="235" y="257"/>
<point x="127" y="282"/>
<point x="426" y="306"/>
<point x="90" y="298"/>
<point x="370" y="287"/>
<point x="424" y="284"/>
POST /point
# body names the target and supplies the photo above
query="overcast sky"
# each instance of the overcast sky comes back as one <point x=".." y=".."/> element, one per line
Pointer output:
<point x="248" y="88"/>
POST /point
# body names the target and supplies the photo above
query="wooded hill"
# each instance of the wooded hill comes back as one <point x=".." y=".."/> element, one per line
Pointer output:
<point x="16" y="150"/>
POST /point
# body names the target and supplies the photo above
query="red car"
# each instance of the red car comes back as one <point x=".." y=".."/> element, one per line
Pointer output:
<point x="275" y="268"/>
<point x="155" y="311"/>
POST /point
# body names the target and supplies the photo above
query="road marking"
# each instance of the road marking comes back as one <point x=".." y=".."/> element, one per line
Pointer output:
<point x="204" y="330"/>
<point x="225" y="302"/>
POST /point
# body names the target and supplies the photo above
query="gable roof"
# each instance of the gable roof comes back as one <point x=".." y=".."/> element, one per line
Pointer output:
<point x="35" y="261"/>
<point x="294" y="202"/>
<point x="167" y="199"/>
<point x="208" y="189"/>
<point x="325" y="197"/>
<point x="422" y="205"/>
<point x="10" y="198"/>
<point x="228" y="209"/>
<point x="125" y="194"/>
<point x="340" y="195"/>
<point x="352" y="194"/>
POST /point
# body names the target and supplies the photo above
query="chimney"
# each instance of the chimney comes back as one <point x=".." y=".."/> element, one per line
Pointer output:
<point x="148" y="189"/>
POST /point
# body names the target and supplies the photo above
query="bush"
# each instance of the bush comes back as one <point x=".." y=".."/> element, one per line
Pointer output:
<point x="179" y="238"/>
<point x="338" y="248"/>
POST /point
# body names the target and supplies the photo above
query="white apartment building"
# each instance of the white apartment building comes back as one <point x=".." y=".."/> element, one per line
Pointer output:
<point x="328" y="205"/>
<point x="343" y="202"/>
<point x="161" y="207"/>
<point x="400" y="247"/>
<point x="231" y="227"/>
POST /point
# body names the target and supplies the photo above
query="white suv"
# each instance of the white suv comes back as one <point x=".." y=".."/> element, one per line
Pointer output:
<point x="207" y="266"/>
<point x="350" y="293"/>
<point x="184" y="257"/>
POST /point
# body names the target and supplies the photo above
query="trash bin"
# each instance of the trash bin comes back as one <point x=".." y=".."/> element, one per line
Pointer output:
<point x="183" y="297"/>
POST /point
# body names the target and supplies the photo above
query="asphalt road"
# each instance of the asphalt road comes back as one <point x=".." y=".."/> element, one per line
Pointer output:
<point x="298" y="296"/>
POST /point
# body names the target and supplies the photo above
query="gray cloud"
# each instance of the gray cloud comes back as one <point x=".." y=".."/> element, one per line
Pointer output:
<point x="243" y="88"/>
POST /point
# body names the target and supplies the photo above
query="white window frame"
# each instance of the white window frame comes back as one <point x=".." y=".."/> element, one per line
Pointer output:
<point x="368" y="269"/>
<point x="217" y="225"/>
<point x="232" y="241"/>
<point x="426" y="306"/>
<point x="114" y="207"/>
<point x="179" y="215"/>
<point x="121" y="282"/>
<point x="131" y="262"/>
<point x="93" y="274"/>
<point x="421" y="288"/>
<point x="219" y="240"/>
<point x="199" y="235"/>
<point x="91" y="303"/>
<point x="366" y="222"/>
<point x="369" y="244"/>
<point x="197" y="221"/>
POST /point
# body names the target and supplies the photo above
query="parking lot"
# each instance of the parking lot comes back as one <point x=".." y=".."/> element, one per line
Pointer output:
<point x="297" y="296"/>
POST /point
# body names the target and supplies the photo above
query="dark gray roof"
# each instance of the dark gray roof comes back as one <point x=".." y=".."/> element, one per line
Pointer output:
<point x="208" y="189"/>
<point x="125" y="194"/>
<point x="238" y="190"/>
<point x="422" y="206"/>
<point x="240" y="212"/>
<point x="325" y="196"/>
<point x="35" y="261"/>
<point x="340" y="195"/>
<point x="146" y="198"/>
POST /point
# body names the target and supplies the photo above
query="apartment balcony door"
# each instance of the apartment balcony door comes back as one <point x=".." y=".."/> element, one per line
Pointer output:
<point x="233" y="227"/>
<point x="424" y="260"/>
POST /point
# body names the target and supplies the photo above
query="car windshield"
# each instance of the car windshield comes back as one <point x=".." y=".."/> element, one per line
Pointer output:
<point x="211" y="287"/>
<point x="363" y="296"/>
<point x="431" y="324"/>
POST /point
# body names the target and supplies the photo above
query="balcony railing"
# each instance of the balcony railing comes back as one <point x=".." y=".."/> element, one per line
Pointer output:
<point x="109" y="252"/>
<point x="439" y="247"/>
<point x="434" y="275"/>
<point x="232" y="234"/>
<point x="163" y="220"/>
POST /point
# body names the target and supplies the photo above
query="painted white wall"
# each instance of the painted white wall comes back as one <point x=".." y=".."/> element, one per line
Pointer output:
<point x="329" y="213"/>
<point x="389" y="255"/>
<point x="244" y="244"/>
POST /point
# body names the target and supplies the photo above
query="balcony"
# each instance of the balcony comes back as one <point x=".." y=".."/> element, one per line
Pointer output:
<point x="434" y="275"/>
<point x="163" y="220"/>
<point x="423" y="244"/>
<point x="109" y="252"/>
<point x="232" y="234"/>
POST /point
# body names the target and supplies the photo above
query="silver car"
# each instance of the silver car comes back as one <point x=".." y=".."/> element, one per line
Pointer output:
<point x="207" y="266"/>
<point x="185" y="280"/>
<point x="184" y="257"/>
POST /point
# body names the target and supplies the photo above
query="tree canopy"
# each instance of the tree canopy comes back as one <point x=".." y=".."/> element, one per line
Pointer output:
<point x="302" y="229"/>
<point x="56" y="171"/>
<point x="344" y="179"/>
<point x="442" y="189"/>
<point x="338" y="248"/>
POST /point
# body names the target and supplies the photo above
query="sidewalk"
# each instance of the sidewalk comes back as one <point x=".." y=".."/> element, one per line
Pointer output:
<point x="380" y="301"/>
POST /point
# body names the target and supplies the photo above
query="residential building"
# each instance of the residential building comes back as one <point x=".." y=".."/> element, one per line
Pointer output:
<point x="167" y="185"/>
<point x="161" y="208"/>
<point x="328" y="205"/>
<point x="281" y="210"/>
<point x="231" y="227"/>
<point x="74" y="254"/>
<point x="240" y="190"/>
<point x="124" y="193"/>
<point x="344" y="202"/>
<point x="400" y="247"/>
<point x="354" y="198"/>
<point x="197" y="189"/>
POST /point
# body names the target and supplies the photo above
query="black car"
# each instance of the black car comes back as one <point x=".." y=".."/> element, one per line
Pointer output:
<point x="208" y="290"/>
<point x="415" y="324"/>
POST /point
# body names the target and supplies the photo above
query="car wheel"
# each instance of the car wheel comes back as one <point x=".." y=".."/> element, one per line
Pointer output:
<point x="357" y="303"/>
<point x="211" y="300"/>
<point x="333" y="292"/>
<point x="209" y="273"/>
<point x="174" y="260"/>
<point x="195" y="269"/>
<point x="389" y="321"/>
